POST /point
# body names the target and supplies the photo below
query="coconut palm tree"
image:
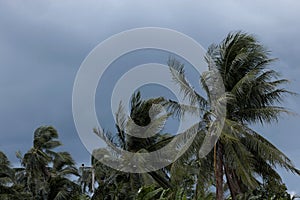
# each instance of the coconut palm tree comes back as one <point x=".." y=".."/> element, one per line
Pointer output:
<point x="59" y="184"/>
<point x="6" y="177"/>
<point x="36" y="161"/>
<point x="255" y="92"/>
<point x="6" y="173"/>
<point x="46" y="173"/>
<point x="10" y="188"/>
<point x="252" y="92"/>
<point x="110" y="180"/>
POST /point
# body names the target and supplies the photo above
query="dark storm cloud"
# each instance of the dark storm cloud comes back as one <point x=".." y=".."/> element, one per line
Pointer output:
<point x="42" y="44"/>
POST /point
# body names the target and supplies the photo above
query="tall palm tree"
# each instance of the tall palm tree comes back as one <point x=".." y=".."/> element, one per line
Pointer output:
<point x="253" y="92"/>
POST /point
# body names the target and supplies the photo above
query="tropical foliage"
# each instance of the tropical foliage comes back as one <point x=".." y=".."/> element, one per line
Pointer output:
<point x="45" y="173"/>
<point x="252" y="93"/>
<point x="242" y="165"/>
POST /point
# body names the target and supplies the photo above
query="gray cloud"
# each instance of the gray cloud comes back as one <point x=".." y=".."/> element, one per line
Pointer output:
<point x="44" y="42"/>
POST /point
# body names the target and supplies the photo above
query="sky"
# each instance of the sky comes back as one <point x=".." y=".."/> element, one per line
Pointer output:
<point x="43" y="43"/>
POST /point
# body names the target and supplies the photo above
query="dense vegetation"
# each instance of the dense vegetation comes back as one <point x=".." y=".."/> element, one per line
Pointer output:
<point x="242" y="165"/>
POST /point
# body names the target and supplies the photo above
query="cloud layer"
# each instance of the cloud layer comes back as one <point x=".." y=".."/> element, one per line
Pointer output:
<point x="44" y="42"/>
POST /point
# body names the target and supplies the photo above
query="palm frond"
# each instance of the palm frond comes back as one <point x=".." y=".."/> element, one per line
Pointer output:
<point x="178" y="75"/>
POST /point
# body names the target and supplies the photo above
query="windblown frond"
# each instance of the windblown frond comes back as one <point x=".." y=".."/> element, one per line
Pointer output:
<point x="177" y="71"/>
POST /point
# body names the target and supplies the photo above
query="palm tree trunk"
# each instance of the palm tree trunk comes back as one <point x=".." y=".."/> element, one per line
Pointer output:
<point x="160" y="180"/>
<point x="232" y="182"/>
<point x="219" y="170"/>
<point x="199" y="188"/>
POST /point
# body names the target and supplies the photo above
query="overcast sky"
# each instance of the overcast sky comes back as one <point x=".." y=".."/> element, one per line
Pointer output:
<point x="42" y="44"/>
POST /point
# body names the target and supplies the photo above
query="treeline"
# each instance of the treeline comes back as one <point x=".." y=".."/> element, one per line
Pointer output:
<point x="242" y="165"/>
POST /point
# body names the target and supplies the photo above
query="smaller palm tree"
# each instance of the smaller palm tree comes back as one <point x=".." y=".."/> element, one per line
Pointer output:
<point x="36" y="161"/>
<point x="10" y="188"/>
<point x="6" y="177"/>
<point x="141" y="114"/>
<point x="46" y="173"/>
<point x="59" y="183"/>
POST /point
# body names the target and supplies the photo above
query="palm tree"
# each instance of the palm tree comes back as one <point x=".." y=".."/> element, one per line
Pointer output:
<point x="252" y="92"/>
<point x="36" y="161"/>
<point x="6" y="177"/>
<point x="110" y="180"/>
<point x="46" y="172"/>
<point x="255" y="92"/>
<point x="10" y="188"/>
<point x="6" y="174"/>
<point x="60" y="186"/>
